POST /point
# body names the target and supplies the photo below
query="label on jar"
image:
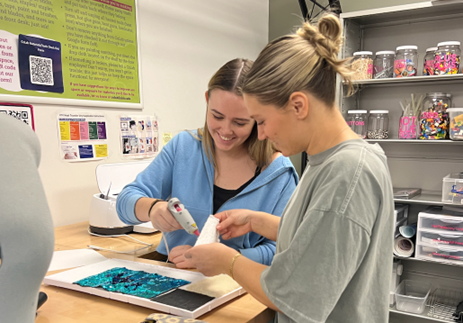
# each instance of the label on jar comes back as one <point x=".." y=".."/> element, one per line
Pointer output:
<point x="446" y="63"/>
<point x="355" y="123"/>
<point x="428" y="67"/>
<point x="407" y="127"/>
<point x="404" y="68"/>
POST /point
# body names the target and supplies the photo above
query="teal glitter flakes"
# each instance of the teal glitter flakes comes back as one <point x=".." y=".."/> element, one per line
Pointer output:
<point x="131" y="282"/>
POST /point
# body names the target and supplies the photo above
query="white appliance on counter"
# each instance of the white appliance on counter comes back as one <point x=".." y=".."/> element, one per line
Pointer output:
<point x="111" y="179"/>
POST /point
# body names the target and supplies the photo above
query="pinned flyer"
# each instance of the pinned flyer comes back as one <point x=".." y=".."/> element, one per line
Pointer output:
<point x="82" y="136"/>
<point x="139" y="136"/>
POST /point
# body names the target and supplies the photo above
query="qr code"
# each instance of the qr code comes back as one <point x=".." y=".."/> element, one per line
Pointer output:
<point x="41" y="70"/>
<point x="20" y="115"/>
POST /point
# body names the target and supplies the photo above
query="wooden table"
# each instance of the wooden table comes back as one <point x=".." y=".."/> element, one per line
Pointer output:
<point x="68" y="306"/>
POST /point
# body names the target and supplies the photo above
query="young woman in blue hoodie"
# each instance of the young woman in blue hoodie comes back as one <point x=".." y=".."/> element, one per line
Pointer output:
<point x="220" y="167"/>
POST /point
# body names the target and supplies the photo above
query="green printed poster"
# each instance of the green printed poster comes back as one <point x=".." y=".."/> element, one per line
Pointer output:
<point x="70" y="49"/>
<point x="92" y="130"/>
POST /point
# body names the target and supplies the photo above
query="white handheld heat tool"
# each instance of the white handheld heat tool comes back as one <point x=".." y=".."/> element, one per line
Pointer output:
<point x="182" y="216"/>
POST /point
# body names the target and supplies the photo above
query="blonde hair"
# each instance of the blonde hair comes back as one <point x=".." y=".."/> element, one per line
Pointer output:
<point x="305" y="61"/>
<point x="230" y="77"/>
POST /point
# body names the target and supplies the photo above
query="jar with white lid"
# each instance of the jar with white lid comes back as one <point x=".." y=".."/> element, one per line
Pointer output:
<point x="362" y="65"/>
<point x="356" y="119"/>
<point x="428" y="62"/>
<point x="434" y="119"/>
<point x="447" y="59"/>
<point x="406" y="61"/>
<point x="383" y="65"/>
<point x="378" y="124"/>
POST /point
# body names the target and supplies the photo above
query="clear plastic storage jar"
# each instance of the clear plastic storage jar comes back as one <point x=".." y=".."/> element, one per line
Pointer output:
<point x="447" y="59"/>
<point x="406" y="61"/>
<point x="362" y="65"/>
<point x="434" y="119"/>
<point x="428" y="62"/>
<point x="356" y="119"/>
<point x="378" y="124"/>
<point x="383" y="65"/>
<point x="456" y="123"/>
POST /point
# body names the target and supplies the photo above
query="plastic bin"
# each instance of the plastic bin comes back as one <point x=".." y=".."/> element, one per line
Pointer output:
<point x="449" y="255"/>
<point x="452" y="189"/>
<point x="456" y="123"/>
<point x="438" y="220"/>
<point x="441" y="239"/>
<point x="411" y="296"/>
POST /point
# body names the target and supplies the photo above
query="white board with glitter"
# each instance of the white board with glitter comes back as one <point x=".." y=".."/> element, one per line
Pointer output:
<point x="66" y="280"/>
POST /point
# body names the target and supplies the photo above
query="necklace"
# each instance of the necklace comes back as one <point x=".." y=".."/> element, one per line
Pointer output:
<point x="339" y="133"/>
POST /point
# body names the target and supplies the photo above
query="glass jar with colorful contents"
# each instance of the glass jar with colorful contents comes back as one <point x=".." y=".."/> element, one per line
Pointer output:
<point x="428" y="64"/>
<point x="383" y="66"/>
<point x="362" y="65"/>
<point x="356" y="119"/>
<point x="434" y="119"/>
<point x="406" y="61"/>
<point x="447" y="60"/>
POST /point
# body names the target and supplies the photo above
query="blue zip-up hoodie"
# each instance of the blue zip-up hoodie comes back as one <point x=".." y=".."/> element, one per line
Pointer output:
<point x="183" y="170"/>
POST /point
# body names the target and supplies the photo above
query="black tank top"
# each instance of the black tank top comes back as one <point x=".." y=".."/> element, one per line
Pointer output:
<point x="222" y="195"/>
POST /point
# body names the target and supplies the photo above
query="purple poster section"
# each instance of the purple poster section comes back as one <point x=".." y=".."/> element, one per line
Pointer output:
<point x="101" y="130"/>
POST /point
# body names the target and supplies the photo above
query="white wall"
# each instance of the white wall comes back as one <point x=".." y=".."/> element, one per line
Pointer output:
<point x="183" y="43"/>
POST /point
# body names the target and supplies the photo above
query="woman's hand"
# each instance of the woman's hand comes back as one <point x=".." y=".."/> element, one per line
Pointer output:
<point x="234" y="223"/>
<point x="162" y="219"/>
<point x="211" y="259"/>
<point x="177" y="256"/>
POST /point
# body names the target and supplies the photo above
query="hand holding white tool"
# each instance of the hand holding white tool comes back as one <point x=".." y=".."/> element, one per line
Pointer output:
<point x="182" y="216"/>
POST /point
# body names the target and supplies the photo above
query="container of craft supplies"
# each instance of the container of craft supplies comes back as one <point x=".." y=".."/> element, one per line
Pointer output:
<point x="456" y="123"/>
<point x="383" y="65"/>
<point x="362" y="65"/>
<point x="428" y="62"/>
<point x="409" y="123"/>
<point x="434" y="119"/>
<point x="406" y="61"/>
<point x="356" y="119"/>
<point x="378" y="124"/>
<point x="447" y="59"/>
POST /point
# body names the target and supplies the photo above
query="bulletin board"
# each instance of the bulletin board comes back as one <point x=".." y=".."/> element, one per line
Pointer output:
<point x="70" y="51"/>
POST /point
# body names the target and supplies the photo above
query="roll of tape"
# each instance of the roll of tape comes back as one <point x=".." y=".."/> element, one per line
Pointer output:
<point x="403" y="247"/>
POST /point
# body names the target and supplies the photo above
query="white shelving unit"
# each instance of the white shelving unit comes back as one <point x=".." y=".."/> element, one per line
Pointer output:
<point x="412" y="163"/>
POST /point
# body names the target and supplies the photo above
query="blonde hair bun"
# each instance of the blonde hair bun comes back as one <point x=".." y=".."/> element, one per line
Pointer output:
<point x="325" y="37"/>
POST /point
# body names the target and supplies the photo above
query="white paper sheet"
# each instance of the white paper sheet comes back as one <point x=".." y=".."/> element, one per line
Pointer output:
<point x="74" y="258"/>
<point x="209" y="233"/>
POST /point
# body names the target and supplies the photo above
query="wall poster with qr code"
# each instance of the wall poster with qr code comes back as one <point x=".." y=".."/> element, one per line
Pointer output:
<point x="82" y="136"/>
<point x="139" y="136"/>
<point x="23" y="112"/>
<point x="66" y="51"/>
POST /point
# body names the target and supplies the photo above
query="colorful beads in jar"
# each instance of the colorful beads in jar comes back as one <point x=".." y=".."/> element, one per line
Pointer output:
<point x="447" y="60"/>
<point x="406" y="61"/>
<point x="378" y="124"/>
<point x="428" y="64"/>
<point x="362" y="65"/>
<point x="356" y="119"/>
<point x="456" y="123"/>
<point x="383" y="66"/>
<point x="434" y="119"/>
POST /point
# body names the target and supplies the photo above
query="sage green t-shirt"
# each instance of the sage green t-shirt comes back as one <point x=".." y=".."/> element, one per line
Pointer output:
<point x="334" y="247"/>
